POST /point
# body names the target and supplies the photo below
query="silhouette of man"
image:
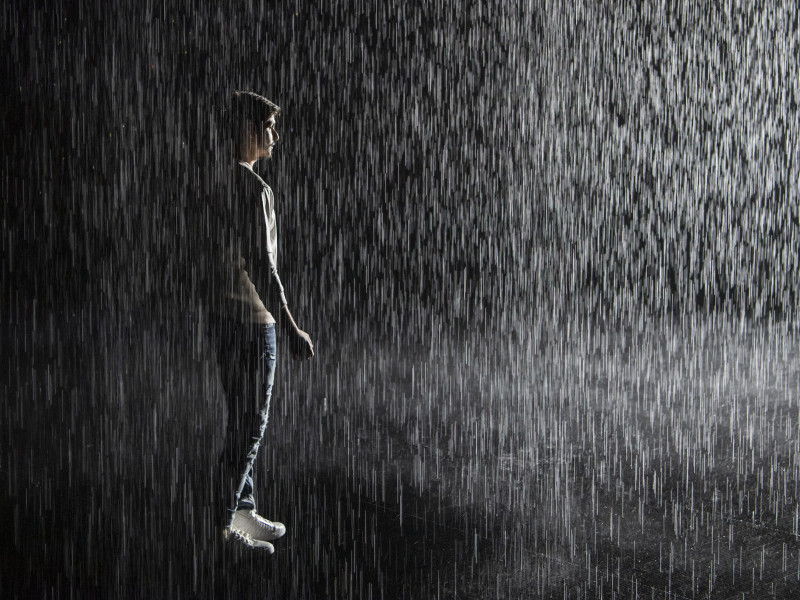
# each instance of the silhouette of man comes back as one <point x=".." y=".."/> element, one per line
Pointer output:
<point x="243" y="282"/>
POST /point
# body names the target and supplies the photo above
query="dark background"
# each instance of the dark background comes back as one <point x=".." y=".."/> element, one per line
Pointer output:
<point x="565" y="158"/>
<point x="487" y="169"/>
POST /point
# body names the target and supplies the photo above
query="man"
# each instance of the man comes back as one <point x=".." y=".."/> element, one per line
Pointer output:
<point x="242" y="281"/>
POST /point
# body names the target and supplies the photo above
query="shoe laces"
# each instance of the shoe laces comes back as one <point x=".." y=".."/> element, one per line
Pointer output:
<point x="262" y="522"/>
<point x="241" y="536"/>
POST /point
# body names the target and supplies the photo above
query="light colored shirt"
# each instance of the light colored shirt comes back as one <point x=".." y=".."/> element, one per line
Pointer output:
<point x="247" y="239"/>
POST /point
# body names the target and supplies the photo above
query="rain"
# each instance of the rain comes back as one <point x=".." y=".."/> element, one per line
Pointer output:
<point x="547" y="253"/>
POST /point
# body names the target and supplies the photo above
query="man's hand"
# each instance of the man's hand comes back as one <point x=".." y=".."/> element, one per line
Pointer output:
<point x="300" y="345"/>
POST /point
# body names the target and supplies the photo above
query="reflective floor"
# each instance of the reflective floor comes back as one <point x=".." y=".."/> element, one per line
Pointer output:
<point x="571" y="461"/>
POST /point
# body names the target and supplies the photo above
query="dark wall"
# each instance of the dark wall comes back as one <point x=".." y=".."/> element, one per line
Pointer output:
<point x="438" y="163"/>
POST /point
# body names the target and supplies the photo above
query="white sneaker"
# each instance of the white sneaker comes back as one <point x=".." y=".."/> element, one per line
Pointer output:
<point x="234" y="534"/>
<point x="256" y="527"/>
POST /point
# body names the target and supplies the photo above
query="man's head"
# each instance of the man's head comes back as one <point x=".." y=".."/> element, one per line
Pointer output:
<point x="253" y="125"/>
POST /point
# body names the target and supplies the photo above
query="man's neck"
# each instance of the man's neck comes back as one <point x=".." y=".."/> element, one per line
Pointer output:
<point x="245" y="154"/>
<point x="250" y="163"/>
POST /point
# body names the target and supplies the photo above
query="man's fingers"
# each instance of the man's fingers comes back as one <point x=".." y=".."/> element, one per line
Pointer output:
<point x="304" y="348"/>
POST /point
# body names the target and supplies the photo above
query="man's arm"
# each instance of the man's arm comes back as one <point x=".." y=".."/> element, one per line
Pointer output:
<point x="300" y="345"/>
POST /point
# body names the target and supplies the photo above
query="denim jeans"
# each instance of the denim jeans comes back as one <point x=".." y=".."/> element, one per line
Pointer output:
<point x="246" y="359"/>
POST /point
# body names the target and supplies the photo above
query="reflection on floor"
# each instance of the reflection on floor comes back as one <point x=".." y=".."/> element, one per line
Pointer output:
<point x="572" y="463"/>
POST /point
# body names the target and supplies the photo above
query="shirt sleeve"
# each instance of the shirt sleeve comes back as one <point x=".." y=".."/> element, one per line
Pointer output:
<point x="268" y="205"/>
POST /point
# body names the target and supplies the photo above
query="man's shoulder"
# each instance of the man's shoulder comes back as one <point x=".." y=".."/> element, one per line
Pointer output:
<point x="247" y="176"/>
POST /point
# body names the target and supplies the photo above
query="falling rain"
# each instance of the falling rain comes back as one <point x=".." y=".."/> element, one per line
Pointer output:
<point x="547" y="253"/>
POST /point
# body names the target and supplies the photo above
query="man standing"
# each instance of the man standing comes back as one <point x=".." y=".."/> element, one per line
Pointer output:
<point x="242" y="282"/>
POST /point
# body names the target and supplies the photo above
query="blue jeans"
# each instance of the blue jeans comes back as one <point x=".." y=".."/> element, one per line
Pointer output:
<point x="246" y="359"/>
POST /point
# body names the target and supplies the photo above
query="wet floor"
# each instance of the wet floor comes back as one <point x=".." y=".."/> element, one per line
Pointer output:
<point x="575" y="462"/>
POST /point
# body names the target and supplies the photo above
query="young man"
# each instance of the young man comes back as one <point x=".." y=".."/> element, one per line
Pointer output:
<point x="243" y="281"/>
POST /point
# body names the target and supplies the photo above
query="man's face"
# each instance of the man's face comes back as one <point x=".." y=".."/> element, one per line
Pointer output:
<point x="267" y="138"/>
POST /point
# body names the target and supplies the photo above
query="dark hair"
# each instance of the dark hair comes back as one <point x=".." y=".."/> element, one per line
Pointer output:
<point x="252" y="107"/>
